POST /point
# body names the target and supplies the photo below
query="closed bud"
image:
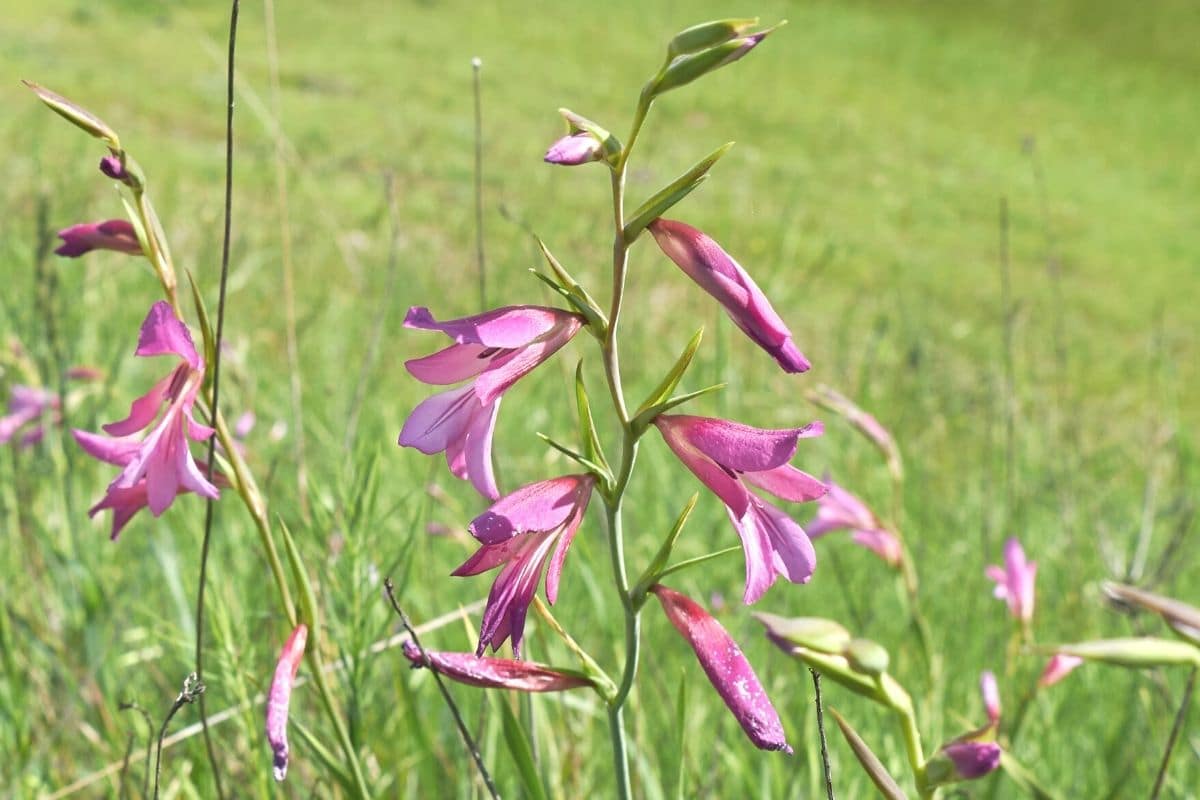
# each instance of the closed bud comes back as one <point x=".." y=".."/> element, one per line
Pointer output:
<point x="963" y="759"/>
<point x="706" y="35"/>
<point x="813" y="633"/>
<point x="688" y="68"/>
<point x="574" y="149"/>
<point x="77" y="115"/>
<point x="1136" y="653"/>
<point x="866" y="656"/>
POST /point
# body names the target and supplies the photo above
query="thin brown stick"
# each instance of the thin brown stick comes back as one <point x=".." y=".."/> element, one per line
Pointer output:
<point x="816" y="676"/>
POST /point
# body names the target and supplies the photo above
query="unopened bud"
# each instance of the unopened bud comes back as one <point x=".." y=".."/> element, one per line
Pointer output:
<point x="813" y="633"/>
<point x="707" y="34"/>
<point x="866" y="656"/>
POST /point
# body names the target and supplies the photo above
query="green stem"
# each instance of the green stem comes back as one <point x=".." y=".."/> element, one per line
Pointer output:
<point x="691" y="562"/>
<point x="912" y="747"/>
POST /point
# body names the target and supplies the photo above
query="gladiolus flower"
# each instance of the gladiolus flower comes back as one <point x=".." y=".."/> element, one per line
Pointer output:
<point x="113" y="234"/>
<point x="972" y="760"/>
<point x="496" y="348"/>
<point x="717" y="273"/>
<point x="496" y="673"/>
<point x="1058" y="667"/>
<point x="974" y="754"/>
<point x="572" y="150"/>
<point x="1014" y="581"/>
<point x="727" y="668"/>
<point x="519" y="531"/>
<point x="26" y="405"/>
<point x="158" y="466"/>
<point x="726" y="456"/>
<point x="839" y="510"/>
<point x="280" y="696"/>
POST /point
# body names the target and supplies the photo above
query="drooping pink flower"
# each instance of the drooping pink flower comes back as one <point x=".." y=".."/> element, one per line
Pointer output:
<point x="728" y="457"/>
<point x="574" y="149"/>
<point x="158" y="466"/>
<point x="991" y="695"/>
<point x="727" y="669"/>
<point x="1014" y="581"/>
<point x="280" y="695"/>
<point x="113" y="234"/>
<point x="27" y="405"/>
<point x="839" y="510"/>
<point x="717" y="273"/>
<point x="496" y="673"/>
<point x="1058" y="667"/>
<point x="972" y="759"/>
<point x="496" y="349"/>
<point x="519" y="531"/>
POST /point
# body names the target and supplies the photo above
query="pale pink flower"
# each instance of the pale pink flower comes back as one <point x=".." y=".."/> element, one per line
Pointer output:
<point x="1014" y="581"/>
<point x="703" y="260"/>
<point x="158" y="466"/>
<point x="280" y="695"/>
<point x="728" y="458"/>
<point x="1058" y="667"/>
<point x="495" y="349"/>
<point x="520" y="531"/>
<point x="727" y="669"/>
<point x="840" y="510"/>
<point x="496" y="673"/>
<point x="28" y="405"/>
<point x="113" y="234"/>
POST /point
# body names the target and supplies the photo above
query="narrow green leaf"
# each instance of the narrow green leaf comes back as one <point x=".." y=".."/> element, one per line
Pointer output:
<point x="587" y="423"/>
<point x="77" y="115"/>
<point x="206" y="332"/>
<point x="676" y="775"/>
<point x="579" y="458"/>
<point x="708" y="34"/>
<point x="135" y="219"/>
<point x="667" y="197"/>
<point x="522" y="753"/>
<point x="672" y="378"/>
<point x="327" y="759"/>
<point x="874" y="768"/>
<point x="588" y="306"/>
<point x="308" y="600"/>
<point x="659" y="563"/>
<point x="643" y="420"/>
<point x="595" y="324"/>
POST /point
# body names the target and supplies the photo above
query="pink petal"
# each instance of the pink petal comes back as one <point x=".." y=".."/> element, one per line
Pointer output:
<point x="496" y="673"/>
<point x="452" y="364"/>
<point x="1058" y="667"/>
<point x="125" y="503"/>
<point x="570" y="151"/>
<point x="788" y="483"/>
<point x="991" y="695"/>
<point x="479" y="451"/>
<point x="162" y="333"/>
<point x="143" y="410"/>
<point x="440" y="420"/>
<point x="727" y="668"/>
<point x="508" y="368"/>
<point x="508" y="327"/>
<point x="721" y="480"/>
<point x="973" y="760"/>
<point x="512" y="592"/>
<point x="113" y="234"/>
<point x="542" y="506"/>
<point x="119" y="451"/>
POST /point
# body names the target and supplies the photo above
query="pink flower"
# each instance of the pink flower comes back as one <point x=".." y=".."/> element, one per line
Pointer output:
<point x="572" y="150"/>
<point x="496" y="348"/>
<point x="159" y="466"/>
<point x="1058" y="667"/>
<point x="280" y="696"/>
<point x="726" y="456"/>
<point x="717" y="273"/>
<point x="26" y="405"/>
<point x="496" y="673"/>
<point x="972" y="759"/>
<point x="839" y="510"/>
<point x="727" y="668"/>
<point x="519" y="531"/>
<point x="991" y="695"/>
<point x="1014" y="582"/>
<point x="113" y="234"/>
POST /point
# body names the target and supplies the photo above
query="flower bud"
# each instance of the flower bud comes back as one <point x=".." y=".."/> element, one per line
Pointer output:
<point x="574" y="149"/>
<point x="1058" y="667"/>
<point x="688" y="68"/>
<point x="962" y="760"/>
<point x="707" y="34"/>
<point x="280" y="697"/>
<point x="496" y="673"/>
<point x="813" y="633"/>
<point x="113" y="234"/>
<point x="1134" y="652"/>
<point x="866" y="657"/>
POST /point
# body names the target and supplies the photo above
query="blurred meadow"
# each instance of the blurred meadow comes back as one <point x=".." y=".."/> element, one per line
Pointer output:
<point x="877" y="144"/>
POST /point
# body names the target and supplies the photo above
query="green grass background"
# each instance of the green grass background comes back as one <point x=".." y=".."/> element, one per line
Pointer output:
<point x="876" y="141"/>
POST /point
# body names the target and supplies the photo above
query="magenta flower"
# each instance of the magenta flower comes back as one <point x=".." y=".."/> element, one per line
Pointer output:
<point x="496" y="673"/>
<point x="975" y="754"/>
<point x="158" y="466"/>
<point x="1058" y="667"/>
<point x="113" y="234"/>
<point x="726" y="456"/>
<point x="280" y="696"/>
<point x="1014" y="581"/>
<point x="27" y="405"/>
<point x="519" y="531"/>
<point x="840" y="510"/>
<point x="496" y="348"/>
<point x="727" y="668"/>
<point x="717" y="273"/>
<point x="574" y="149"/>
<point x="972" y="759"/>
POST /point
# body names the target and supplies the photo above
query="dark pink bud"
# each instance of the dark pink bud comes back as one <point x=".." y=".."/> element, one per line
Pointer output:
<point x="280" y="697"/>
<point x="727" y="668"/>
<point x="113" y="234"/>
<point x="972" y="760"/>
<point x="113" y="168"/>
<point x="496" y="673"/>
